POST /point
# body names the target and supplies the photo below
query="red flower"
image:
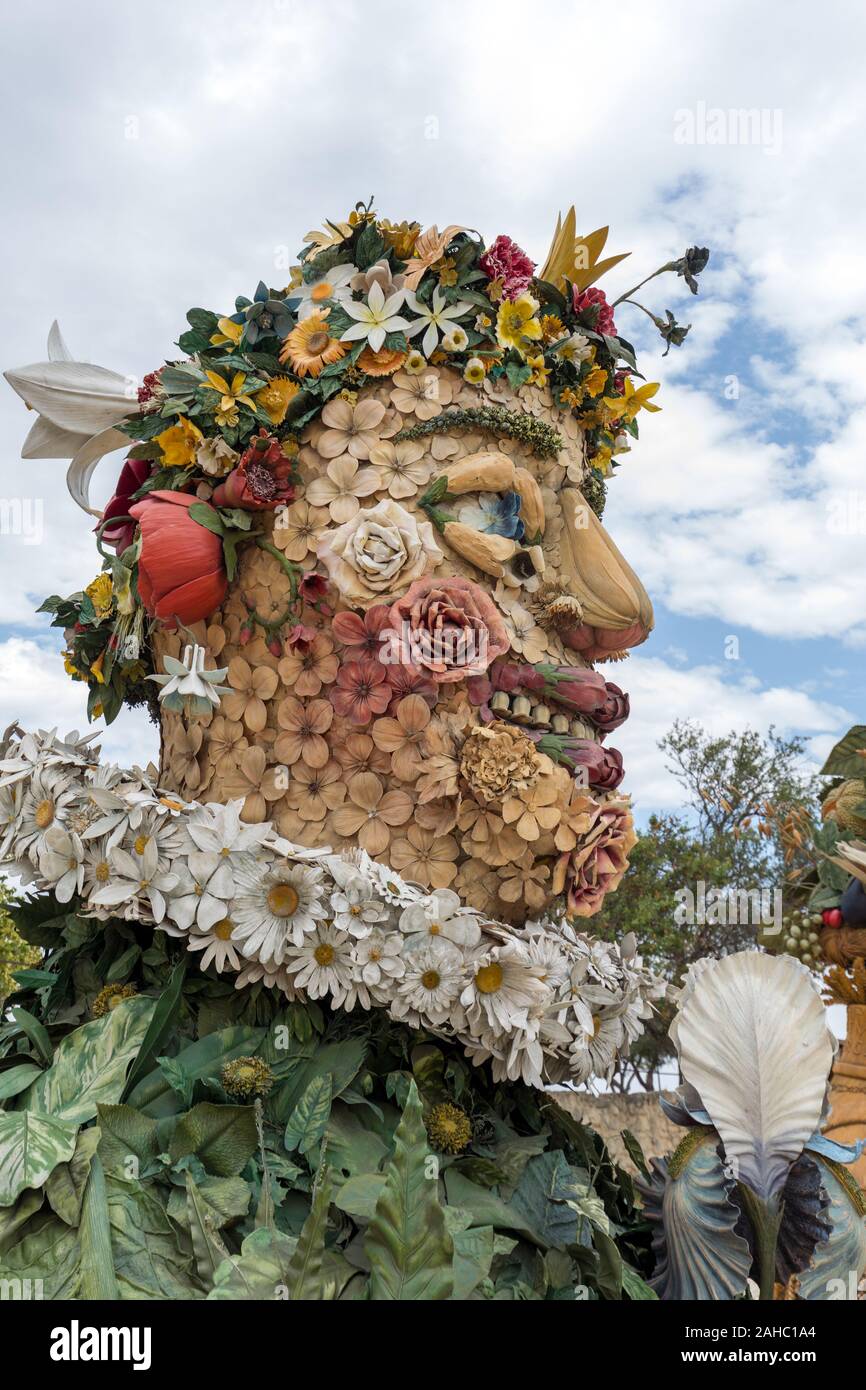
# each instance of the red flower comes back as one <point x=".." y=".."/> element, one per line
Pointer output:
<point x="133" y="473"/>
<point x="299" y="638"/>
<point x="262" y="479"/>
<point x="147" y="389"/>
<point x="451" y="627"/>
<point x="313" y="589"/>
<point x="586" y="299"/>
<point x="181" y="573"/>
<point x="409" y="680"/>
<point x="505" y="261"/>
<point x="361" y="690"/>
<point x="362" y="636"/>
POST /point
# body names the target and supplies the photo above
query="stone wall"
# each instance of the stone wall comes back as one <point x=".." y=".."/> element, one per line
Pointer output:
<point x="610" y="1115"/>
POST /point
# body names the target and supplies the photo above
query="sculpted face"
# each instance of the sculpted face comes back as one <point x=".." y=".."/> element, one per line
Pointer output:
<point x="436" y="704"/>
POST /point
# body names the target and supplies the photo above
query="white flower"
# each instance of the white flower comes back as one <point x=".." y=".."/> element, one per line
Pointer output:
<point x="575" y="348"/>
<point x="23" y="756"/>
<point x="415" y="363"/>
<point x="323" y="964"/>
<point x="378" y="958"/>
<point x="97" y="866"/>
<point x="187" y="688"/>
<point x="434" y="318"/>
<point x="219" y="829"/>
<point x="11" y="803"/>
<point x="549" y="961"/>
<point x="375" y="319"/>
<point x="272" y="976"/>
<point x="218" y="945"/>
<point x="47" y="801"/>
<point x="276" y="905"/>
<point x="431" y="984"/>
<point x="61" y="862"/>
<point x="137" y="877"/>
<point x="456" y="340"/>
<point x="378" y="553"/>
<point x="205" y="885"/>
<point x="504" y="992"/>
<point x="440" y="914"/>
<point x="594" y="1053"/>
<point x="331" y="284"/>
<point x="355" y="910"/>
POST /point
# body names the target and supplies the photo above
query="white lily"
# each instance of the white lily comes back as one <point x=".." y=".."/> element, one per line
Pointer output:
<point x="206" y="884"/>
<point x="376" y="318"/>
<point x="78" y="405"/>
<point x="188" y="688"/>
<point x="435" y="318"/>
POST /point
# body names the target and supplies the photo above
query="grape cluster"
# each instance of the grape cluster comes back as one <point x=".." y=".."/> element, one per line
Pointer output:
<point x="800" y="936"/>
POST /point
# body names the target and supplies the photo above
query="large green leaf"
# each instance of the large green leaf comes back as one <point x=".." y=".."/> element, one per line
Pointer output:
<point x="35" y="1031"/>
<point x="164" y="1016"/>
<point x="16" y="1079"/>
<point x="148" y="1261"/>
<point x="542" y="1197"/>
<point x="98" y="1280"/>
<point x="48" y="1255"/>
<point x="473" y="1256"/>
<point x="340" y="1060"/>
<point x="260" y="1271"/>
<point x="154" y="1094"/>
<point x="223" y="1201"/>
<point x="207" y="1248"/>
<point x="128" y="1142"/>
<point x="31" y="1146"/>
<point x="409" y="1249"/>
<point x="224" y="1137"/>
<point x="309" y="1119"/>
<point x="90" y="1064"/>
<point x="305" y="1267"/>
<point x="65" y="1188"/>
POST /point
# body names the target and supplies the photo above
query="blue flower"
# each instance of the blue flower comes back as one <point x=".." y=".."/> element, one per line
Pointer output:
<point x="496" y="513"/>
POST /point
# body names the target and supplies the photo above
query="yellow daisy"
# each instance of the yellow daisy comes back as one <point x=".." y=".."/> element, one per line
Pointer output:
<point x="515" y="322"/>
<point x="309" y="348"/>
<point x="179" y="443"/>
<point x="274" y="398"/>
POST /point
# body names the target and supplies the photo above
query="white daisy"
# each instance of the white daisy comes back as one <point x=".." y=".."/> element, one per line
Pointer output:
<point x="549" y="961"/>
<point x="136" y="879"/>
<point x="354" y="909"/>
<point x="504" y="992"/>
<point x="11" y="803"/>
<point x="218" y="945"/>
<point x="431" y="983"/>
<point x="331" y="284"/>
<point x="593" y="1053"/>
<point x="440" y="914"/>
<point x="323" y="964"/>
<point x="379" y="963"/>
<point x="256" y="972"/>
<point x="61" y="862"/>
<point x="97" y="866"/>
<point x="47" y="802"/>
<point x="276" y="905"/>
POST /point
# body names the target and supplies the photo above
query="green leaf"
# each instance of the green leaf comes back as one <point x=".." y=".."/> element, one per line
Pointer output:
<point x="224" y="1200"/>
<point x="542" y="1196"/>
<point x="309" y="1119"/>
<point x="635" y="1152"/>
<point x="66" y="1186"/>
<point x="848" y="757"/>
<point x="90" y="1064"/>
<point x="636" y="1286"/>
<point x="160" y="1027"/>
<point x="473" y="1256"/>
<point x="369" y="247"/>
<point x="148" y="1262"/>
<point x="48" y="1255"/>
<point x="260" y="1271"/>
<point x="208" y="1250"/>
<point x="207" y="516"/>
<point x="609" y="1275"/>
<point x="154" y="1094"/>
<point x="36" y="1033"/>
<point x="359" y="1194"/>
<point x="224" y="1137"/>
<point x="305" y="1267"/>
<point x="31" y="1146"/>
<point x="409" y="1249"/>
<point x="340" y="1060"/>
<point x="126" y="1134"/>
<point x="17" y="1079"/>
<point x="203" y="320"/>
<point x="34" y="979"/>
<point x="97" y="1259"/>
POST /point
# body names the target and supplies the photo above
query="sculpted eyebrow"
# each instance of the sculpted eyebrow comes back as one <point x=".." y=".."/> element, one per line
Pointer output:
<point x="539" y="438"/>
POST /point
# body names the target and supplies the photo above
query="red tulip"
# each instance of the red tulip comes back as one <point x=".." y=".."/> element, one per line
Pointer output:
<point x="132" y="475"/>
<point x="181" y="572"/>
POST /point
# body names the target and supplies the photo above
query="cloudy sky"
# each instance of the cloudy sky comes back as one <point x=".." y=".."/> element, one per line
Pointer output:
<point x="165" y="156"/>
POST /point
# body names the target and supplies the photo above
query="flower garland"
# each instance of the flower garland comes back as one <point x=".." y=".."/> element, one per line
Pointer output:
<point x="543" y="1003"/>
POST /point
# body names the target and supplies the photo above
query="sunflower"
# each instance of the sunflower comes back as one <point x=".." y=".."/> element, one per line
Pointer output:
<point x="382" y="363"/>
<point x="309" y="348"/>
<point x="99" y="591"/>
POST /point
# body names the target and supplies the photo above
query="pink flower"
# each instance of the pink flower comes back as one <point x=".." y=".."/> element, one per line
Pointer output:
<point x="362" y="636"/>
<point x="505" y="261"/>
<point x="586" y="299"/>
<point x="452" y="628"/>
<point x="361" y="690"/>
<point x="598" y="861"/>
<point x="410" y="680"/>
<point x="132" y="475"/>
<point x="299" y="638"/>
<point x="313" y="588"/>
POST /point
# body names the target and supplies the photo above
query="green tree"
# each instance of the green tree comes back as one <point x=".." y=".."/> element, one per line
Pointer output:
<point x="736" y="789"/>
<point x="15" y="954"/>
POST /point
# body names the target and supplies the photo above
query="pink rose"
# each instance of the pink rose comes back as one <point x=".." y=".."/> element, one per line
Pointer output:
<point x="586" y="299"/>
<point x="598" y="861"/>
<point x="449" y="627"/>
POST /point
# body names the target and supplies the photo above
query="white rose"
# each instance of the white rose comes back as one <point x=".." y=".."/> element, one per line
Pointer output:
<point x="379" y="553"/>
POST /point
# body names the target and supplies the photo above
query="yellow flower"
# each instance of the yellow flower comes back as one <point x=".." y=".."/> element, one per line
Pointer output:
<point x="96" y="669"/>
<point x="100" y="594"/>
<point x="309" y="348"/>
<point x="552" y="328"/>
<point x="540" y="371"/>
<point x="474" y="371"/>
<point x="231" y="396"/>
<point x="70" y="668"/>
<point x="626" y="406"/>
<point x="515" y="323"/>
<point x="568" y="396"/>
<point x="595" y="382"/>
<point x="227" y="332"/>
<point x="179" y="443"/>
<point x="400" y="236"/>
<point x="446" y="271"/>
<point x="274" y="398"/>
<point x="415" y="363"/>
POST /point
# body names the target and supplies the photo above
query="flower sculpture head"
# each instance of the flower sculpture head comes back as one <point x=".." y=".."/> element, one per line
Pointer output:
<point x="371" y="501"/>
